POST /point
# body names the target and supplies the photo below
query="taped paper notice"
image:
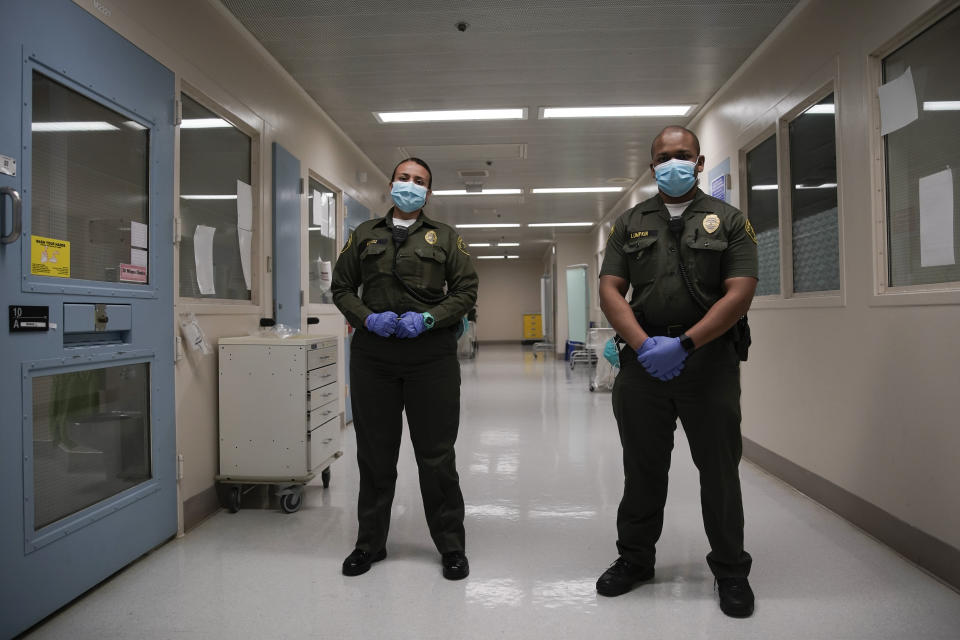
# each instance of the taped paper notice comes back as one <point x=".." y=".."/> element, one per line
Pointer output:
<point x="244" y="206"/>
<point x="133" y="273"/>
<point x="245" y="237"/>
<point x="49" y="257"/>
<point x="203" y="258"/>
<point x="898" y="103"/>
<point x="139" y="234"/>
<point x="193" y="334"/>
<point x="936" y="219"/>
<point x="138" y="257"/>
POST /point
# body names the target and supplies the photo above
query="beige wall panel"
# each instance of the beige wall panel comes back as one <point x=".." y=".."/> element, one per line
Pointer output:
<point x="859" y="393"/>
<point x="508" y="289"/>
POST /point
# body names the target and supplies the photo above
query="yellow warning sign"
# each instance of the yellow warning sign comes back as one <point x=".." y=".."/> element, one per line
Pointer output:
<point x="49" y="257"/>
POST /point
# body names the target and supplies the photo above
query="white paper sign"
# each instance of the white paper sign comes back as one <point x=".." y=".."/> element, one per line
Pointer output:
<point x="139" y="234"/>
<point x="203" y="258"/>
<point x="936" y="219"/>
<point x="138" y="257"/>
<point x="898" y="103"/>
<point x="245" y="237"/>
<point x="244" y="206"/>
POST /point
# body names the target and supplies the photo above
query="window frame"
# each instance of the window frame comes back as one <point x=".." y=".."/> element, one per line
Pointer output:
<point x="319" y="308"/>
<point x="755" y="142"/>
<point x="884" y="294"/>
<point x="251" y="127"/>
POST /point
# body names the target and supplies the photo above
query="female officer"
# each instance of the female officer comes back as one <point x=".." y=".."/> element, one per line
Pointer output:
<point x="404" y="356"/>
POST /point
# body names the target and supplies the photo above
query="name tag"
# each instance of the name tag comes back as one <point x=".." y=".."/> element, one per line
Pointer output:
<point x="377" y="241"/>
<point x="643" y="234"/>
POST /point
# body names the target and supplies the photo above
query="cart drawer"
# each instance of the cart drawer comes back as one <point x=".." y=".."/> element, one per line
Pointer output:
<point x="319" y="397"/>
<point x="320" y="357"/>
<point x="321" y="376"/>
<point x="322" y="414"/>
<point x="323" y="442"/>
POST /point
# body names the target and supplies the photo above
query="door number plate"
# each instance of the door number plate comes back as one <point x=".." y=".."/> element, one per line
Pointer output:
<point x="23" y="318"/>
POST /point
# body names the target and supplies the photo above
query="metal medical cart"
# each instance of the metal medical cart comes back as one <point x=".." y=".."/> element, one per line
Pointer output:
<point x="280" y="415"/>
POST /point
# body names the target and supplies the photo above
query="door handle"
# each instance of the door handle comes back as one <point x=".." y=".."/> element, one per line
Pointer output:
<point x="17" y="215"/>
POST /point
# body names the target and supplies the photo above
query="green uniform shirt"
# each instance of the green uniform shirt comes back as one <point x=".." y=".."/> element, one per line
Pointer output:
<point x="716" y="243"/>
<point x="433" y="256"/>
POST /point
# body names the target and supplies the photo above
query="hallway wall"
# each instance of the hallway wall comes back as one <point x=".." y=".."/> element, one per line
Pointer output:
<point x="857" y="392"/>
<point x="213" y="55"/>
<point x="508" y="289"/>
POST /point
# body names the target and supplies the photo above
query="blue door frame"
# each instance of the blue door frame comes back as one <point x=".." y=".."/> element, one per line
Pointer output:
<point x="287" y="197"/>
<point x="46" y="564"/>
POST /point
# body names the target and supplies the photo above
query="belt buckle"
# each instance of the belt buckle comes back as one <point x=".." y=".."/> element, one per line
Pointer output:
<point x="674" y="330"/>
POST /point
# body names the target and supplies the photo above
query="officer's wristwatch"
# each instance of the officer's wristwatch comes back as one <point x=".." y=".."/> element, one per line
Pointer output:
<point x="428" y="321"/>
<point x="687" y="343"/>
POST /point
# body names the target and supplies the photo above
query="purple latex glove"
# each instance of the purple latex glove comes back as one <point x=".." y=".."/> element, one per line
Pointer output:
<point x="382" y="324"/>
<point x="411" y="325"/>
<point x="664" y="358"/>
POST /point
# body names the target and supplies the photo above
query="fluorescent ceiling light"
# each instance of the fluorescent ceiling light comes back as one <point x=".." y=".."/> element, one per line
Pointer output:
<point x="388" y="117"/>
<point x="498" y="257"/>
<point x="224" y="197"/>
<point x="68" y="127"/>
<point x="205" y="123"/>
<point x="513" y="257"/>
<point x="579" y="190"/>
<point x="479" y="244"/>
<point x="134" y="125"/>
<point x="821" y="109"/>
<point x="825" y="185"/>
<point x="485" y="192"/>
<point x="944" y="105"/>
<point x="764" y="187"/>
<point x="561" y="224"/>
<point x="508" y="244"/>
<point x="491" y="225"/>
<point x="615" y="112"/>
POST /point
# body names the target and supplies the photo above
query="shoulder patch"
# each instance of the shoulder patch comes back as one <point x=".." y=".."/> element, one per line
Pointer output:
<point x="462" y="246"/>
<point x="749" y="229"/>
<point x="348" y="243"/>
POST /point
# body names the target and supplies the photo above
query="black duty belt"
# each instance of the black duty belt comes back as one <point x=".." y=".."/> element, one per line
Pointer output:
<point x="671" y="331"/>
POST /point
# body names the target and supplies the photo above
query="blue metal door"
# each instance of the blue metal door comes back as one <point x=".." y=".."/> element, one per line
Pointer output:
<point x="87" y="462"/>
<point x="287" y="192"/>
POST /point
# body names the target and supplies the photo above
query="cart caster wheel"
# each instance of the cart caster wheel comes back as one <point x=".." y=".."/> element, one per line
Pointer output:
<point x="325" y="478"/>
<point x="291" y="502"/>
<point x="233" y="499"/>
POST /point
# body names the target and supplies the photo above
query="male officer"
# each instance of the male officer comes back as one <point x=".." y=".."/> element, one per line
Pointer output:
<point x="404" y="357"/>
<point x="692" y="262"/>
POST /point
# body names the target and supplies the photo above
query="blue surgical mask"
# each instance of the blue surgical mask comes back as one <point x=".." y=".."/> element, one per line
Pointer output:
<point x="676" y="177"/>
<point x="408" y="196"/>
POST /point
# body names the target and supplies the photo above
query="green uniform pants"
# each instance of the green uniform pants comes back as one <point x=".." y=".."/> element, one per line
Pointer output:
<point x="706" y="398"/>
<point x="422" y="376"/>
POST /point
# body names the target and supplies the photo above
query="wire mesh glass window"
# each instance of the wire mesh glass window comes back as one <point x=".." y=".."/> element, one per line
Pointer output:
<point x="764" y="212"/>
<point x="813" y="199"/>
<point x="322" y="228"/>
<point x="215" y="206"/>
<point x="923" y="161"/>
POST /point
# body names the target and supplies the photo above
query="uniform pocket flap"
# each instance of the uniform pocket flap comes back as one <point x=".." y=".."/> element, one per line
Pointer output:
<point x="431" y="253"/>
<point x="373" y="249"/>
<point x="710" y="244"/>
<point x="639" y="244"/>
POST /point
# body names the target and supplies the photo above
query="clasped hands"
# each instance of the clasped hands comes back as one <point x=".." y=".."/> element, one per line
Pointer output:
<point x="386" y="324"/>
<point x="662" y="357"/>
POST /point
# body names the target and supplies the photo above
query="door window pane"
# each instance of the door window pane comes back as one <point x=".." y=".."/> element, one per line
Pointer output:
<point x="90" y="173"/>
<point x="763" y="210"/>
<point x="929" y="145"/>
<point x="813" y="173"/>
<point x="91" y="438"/>
<point x="322" y="228"/>
<point x="214" y="157"/>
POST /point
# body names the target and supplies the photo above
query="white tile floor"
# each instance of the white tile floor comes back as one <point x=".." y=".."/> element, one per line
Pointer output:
<point x="539" y="459"/>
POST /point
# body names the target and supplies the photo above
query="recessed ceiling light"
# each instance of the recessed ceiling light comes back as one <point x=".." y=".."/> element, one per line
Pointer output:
<point x="205" y="123"/>
<point x="579" y="190"/>
<point x="491" y="225"/>
<point x="479" y="244"/>
<point x="498" y="257"/>
<point x="821" y="109"/>
<point x="70" y="127"/>
<point x="223" y="197"/>
<point x="764" y="187"/>
<point x="508" y="244"/>
<point x="485" y="192"/>
<point x="560" y="224"/>
<point x="388" y="117"/>
<point x="615" y="112"/>
<point x="943" y="105"/>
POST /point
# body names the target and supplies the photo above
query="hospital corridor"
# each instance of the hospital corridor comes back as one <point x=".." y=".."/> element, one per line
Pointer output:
<point x="480" y="319"/>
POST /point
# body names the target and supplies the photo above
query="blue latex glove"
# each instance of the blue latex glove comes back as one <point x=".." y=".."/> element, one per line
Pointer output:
<point x="664" y="358"/>
<point x="382" y="324"/>
<point x="411" y="325"/>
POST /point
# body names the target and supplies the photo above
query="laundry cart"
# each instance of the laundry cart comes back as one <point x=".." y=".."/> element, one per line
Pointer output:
<point x="602" y="375"/>
<point x="281" y="419"/>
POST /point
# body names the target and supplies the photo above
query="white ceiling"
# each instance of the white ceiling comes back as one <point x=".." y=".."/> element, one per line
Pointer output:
<point x="361" y="56"/>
